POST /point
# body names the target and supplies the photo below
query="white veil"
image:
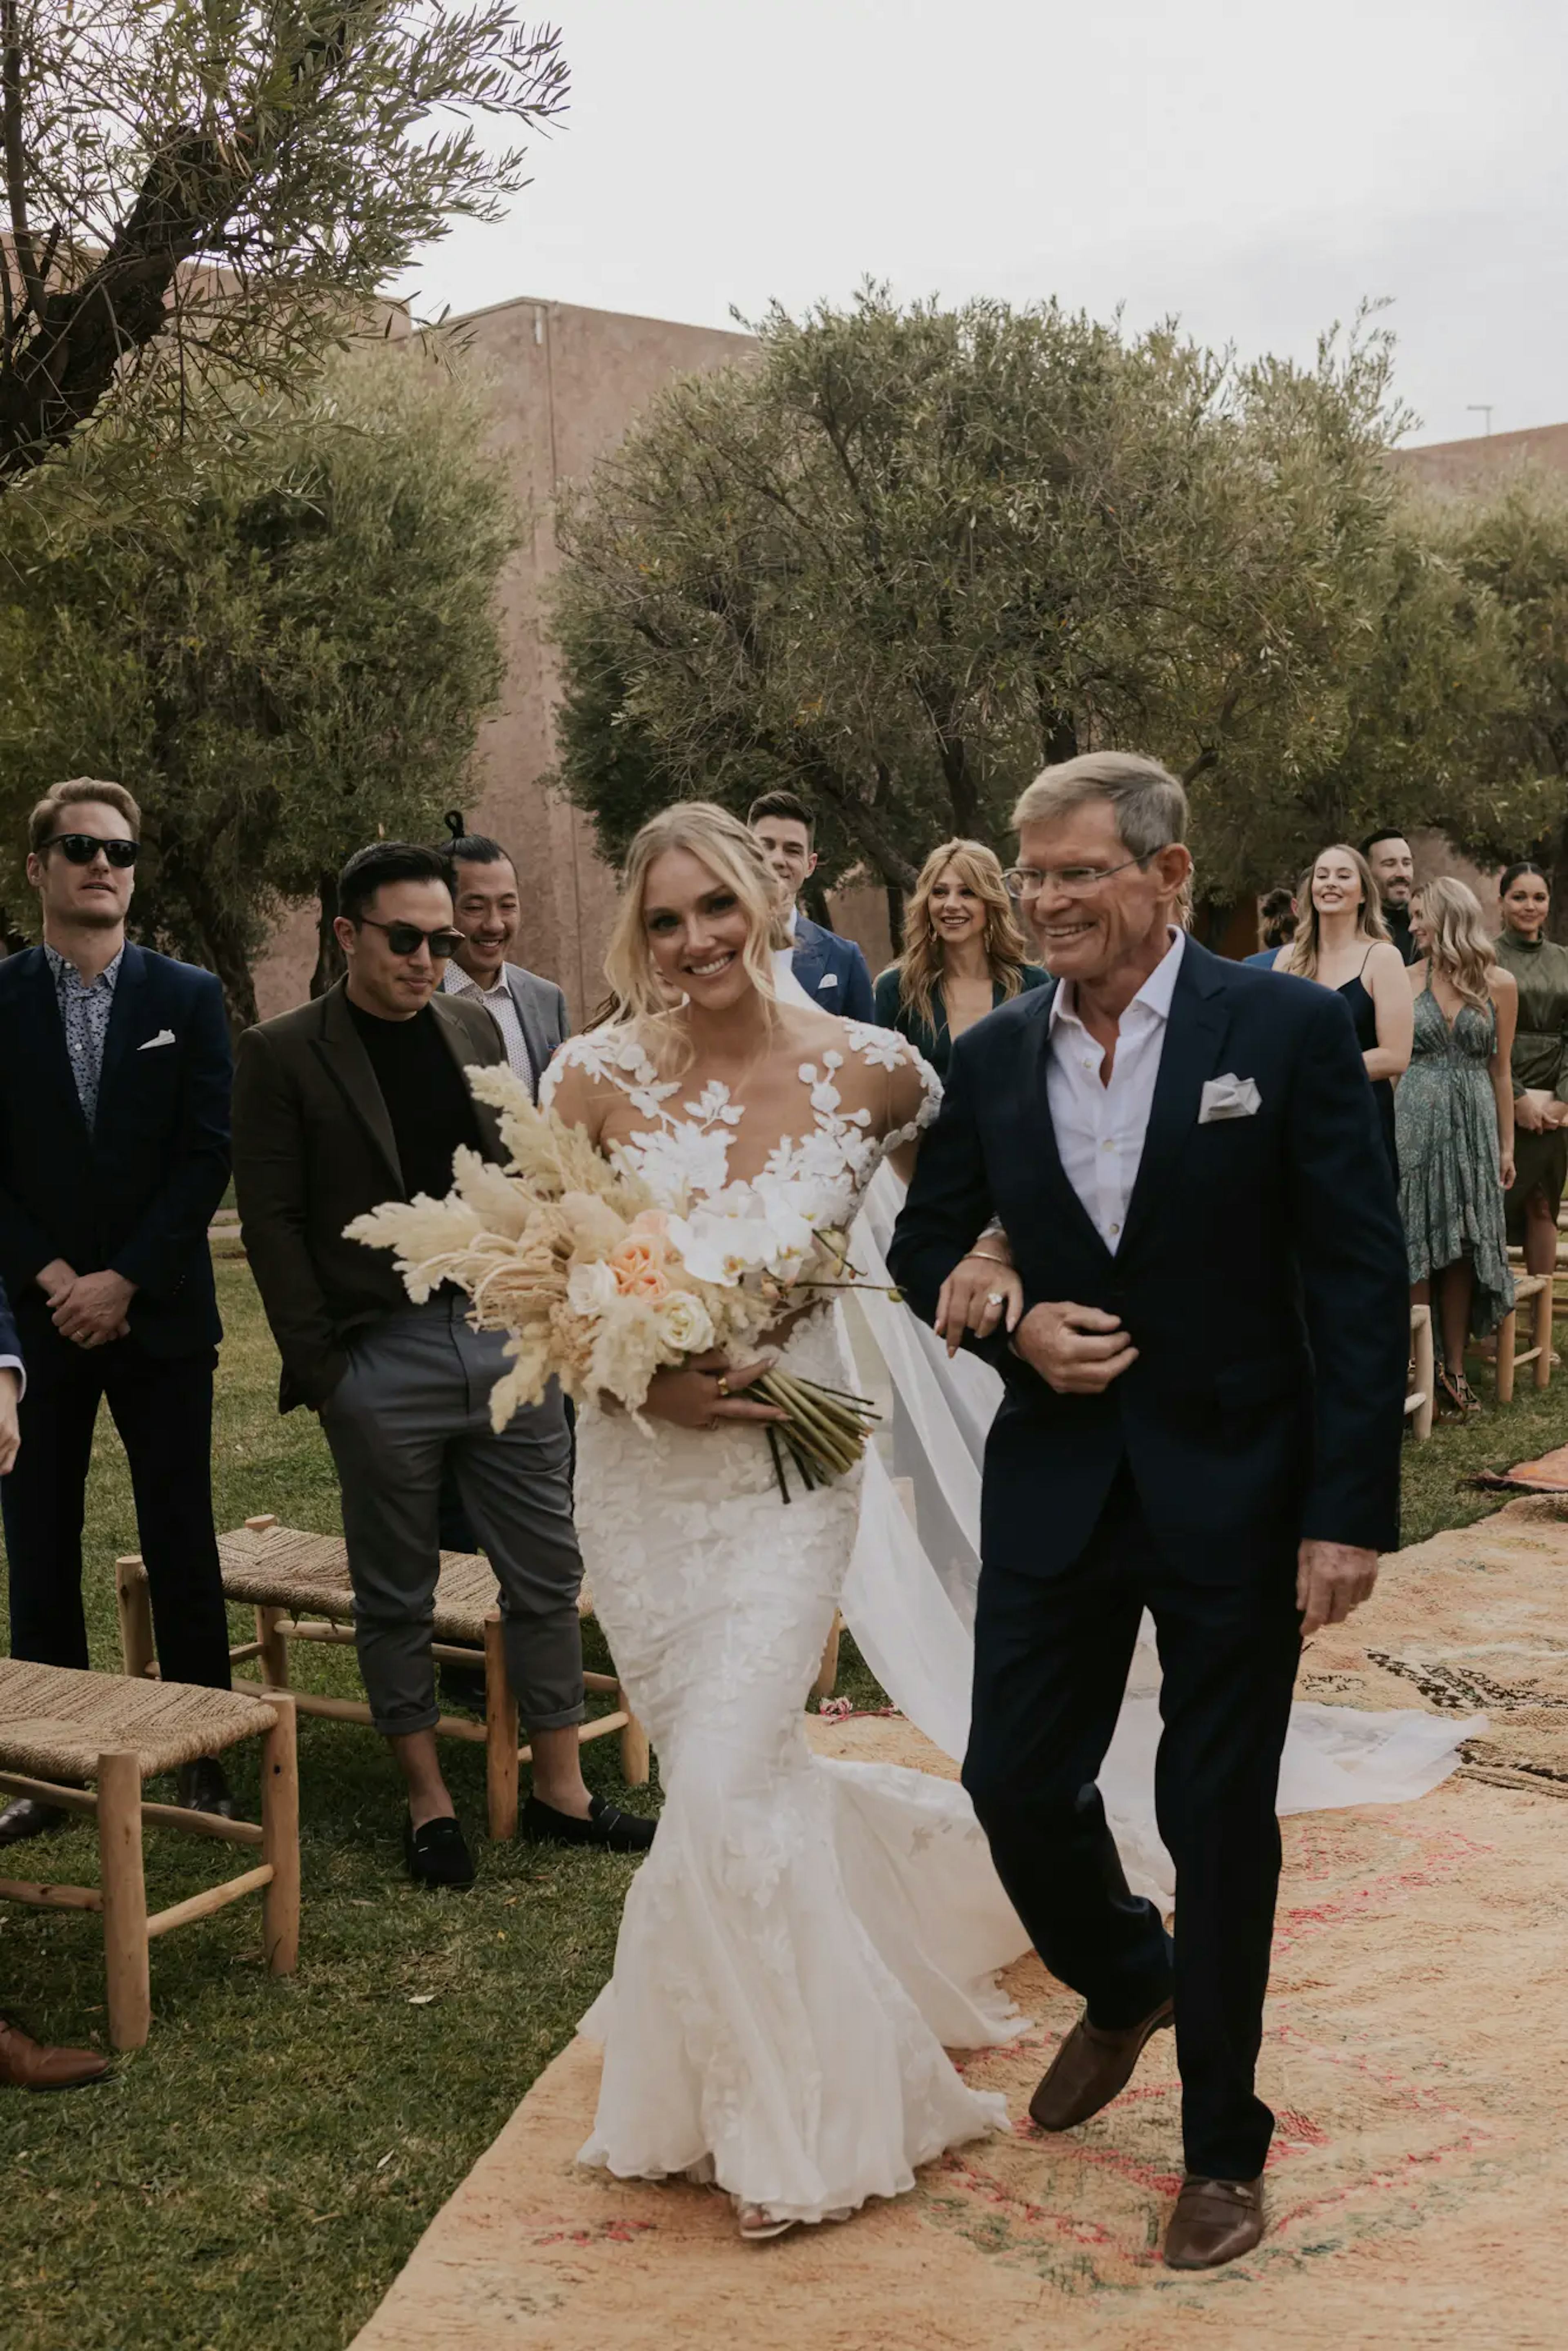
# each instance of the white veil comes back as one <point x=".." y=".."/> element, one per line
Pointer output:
<point x="909" y="1600"/>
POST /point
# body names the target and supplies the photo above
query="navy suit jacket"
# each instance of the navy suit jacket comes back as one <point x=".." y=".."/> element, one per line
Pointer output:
<point x="1261" y="1276"/>
<point x="10" y="1343"/>
<point x="833" y="971"/>
<point x="137" y="1193"/>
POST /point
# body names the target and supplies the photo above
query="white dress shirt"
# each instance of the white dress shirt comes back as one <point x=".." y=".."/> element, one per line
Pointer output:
<point x="1099" y="1129"/>
<point x="499" y="1002"/>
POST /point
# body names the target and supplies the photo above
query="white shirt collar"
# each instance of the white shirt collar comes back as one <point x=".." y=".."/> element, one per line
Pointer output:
<point x="1155" y="995"/>
<point x="794" y="921"/>
<point x="455" y="981"/>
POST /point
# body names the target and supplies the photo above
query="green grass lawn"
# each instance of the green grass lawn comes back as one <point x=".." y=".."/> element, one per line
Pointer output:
<point x="260" y="2171"/>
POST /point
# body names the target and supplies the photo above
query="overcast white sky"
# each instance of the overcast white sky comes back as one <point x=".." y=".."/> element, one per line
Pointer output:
<point x="1253" y="167"/>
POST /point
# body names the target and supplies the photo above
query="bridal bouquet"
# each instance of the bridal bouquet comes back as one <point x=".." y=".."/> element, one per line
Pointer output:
<point x="600" y="1288"/>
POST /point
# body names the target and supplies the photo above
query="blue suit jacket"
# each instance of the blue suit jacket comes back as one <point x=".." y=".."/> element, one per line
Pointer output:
<point x="1261" y="1276"/>
<point x="833" y="971"/>
<point x="10" y="1343"/>
<point x="136" y="1194"/>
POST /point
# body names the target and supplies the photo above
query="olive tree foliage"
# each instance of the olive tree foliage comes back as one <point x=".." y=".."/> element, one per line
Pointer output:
<point x="220" y="184"/>
<point x="911" y="555"/>
<point x="1510" y="540"/>
<point x="295" y="664"/>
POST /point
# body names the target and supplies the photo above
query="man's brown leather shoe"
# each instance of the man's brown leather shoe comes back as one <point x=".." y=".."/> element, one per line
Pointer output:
<point x="1215" y="2221"/>
<point x="27" y="2066"/>
<point x="1090" y="2068"/>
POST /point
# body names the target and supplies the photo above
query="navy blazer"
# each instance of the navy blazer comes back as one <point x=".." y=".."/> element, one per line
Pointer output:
<point x="1261" y="1276"/>
<point x="137" y="1193"/>
<point x="10" y="1341"/>
<point x="833" y="971"/>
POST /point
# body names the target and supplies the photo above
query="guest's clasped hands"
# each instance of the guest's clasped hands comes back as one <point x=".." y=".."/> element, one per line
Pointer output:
<point x="89" y="1309"/>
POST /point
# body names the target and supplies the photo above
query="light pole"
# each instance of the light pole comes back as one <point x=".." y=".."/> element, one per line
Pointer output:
<point x="1480" y="408"/>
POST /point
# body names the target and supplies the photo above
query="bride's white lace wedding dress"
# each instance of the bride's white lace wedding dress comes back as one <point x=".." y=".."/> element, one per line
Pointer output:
<point x="806" y="1937"/>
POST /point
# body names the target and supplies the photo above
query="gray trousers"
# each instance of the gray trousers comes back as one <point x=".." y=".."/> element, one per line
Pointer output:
<point x="417" y="1393"/>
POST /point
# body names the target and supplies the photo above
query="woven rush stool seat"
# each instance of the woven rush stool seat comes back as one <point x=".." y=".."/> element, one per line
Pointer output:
<point x="55" y="1721"/>
<point x="60" y="1727"/>
<point x="300" y="1588"/>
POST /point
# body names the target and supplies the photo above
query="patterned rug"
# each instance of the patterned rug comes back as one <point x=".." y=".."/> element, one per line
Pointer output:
<point x="1415" y="2056"/>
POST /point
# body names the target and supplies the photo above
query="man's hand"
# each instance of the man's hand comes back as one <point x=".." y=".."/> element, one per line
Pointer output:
<point x="1076" y="1350"/>
<point x="10" y="1427"/>
<point x="55" y="1279"/>
<point x="93" y="1309"/>
<point x="1331" y="1580"/>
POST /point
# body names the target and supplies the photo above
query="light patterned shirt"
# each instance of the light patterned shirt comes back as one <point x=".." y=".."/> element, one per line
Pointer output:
<point x="501" y="1004"/>
<point x="84" y="1015"/>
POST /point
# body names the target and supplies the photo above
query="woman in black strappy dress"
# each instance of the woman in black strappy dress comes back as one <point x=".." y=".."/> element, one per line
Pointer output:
<point x="1343" y="943"/>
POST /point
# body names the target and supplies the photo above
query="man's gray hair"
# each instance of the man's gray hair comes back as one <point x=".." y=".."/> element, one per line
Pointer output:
<point x="1150" y="804"/>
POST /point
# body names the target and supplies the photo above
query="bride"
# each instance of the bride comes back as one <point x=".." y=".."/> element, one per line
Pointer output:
<point x="806" y="1937"/>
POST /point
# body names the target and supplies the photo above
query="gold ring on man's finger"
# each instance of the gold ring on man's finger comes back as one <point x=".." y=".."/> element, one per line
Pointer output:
<point x="723" y="1388"/>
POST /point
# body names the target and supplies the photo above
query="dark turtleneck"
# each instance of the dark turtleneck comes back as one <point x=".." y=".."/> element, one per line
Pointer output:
<point x="1399" y="921"/>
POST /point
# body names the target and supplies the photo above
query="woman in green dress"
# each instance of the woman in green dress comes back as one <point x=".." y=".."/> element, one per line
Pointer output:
<point x="1454" y="1120"/>
<point x="1539" y="1065"/>
<point x="964" y="953"/>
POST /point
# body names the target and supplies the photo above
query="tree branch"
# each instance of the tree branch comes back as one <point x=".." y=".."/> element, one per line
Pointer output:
<point x="15" y="158"/>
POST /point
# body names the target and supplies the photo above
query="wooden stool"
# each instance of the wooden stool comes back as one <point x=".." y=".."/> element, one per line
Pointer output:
<point x="58" y="1725"/>
<point x="299" y="1586"/>
<point x="1419" y="1401"/>
<point x="1526" y="1287"/>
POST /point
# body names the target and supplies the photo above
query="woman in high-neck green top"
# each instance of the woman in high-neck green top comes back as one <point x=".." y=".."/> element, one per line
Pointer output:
<point x="1539" y="1065"/>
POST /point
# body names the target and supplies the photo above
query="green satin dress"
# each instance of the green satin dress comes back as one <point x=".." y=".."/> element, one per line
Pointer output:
<point x="1540" y="1062"/>
<point x="932" y="1041"/>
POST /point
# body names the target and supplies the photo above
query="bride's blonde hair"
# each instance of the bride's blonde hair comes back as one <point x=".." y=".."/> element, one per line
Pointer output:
<point x="722" y="843"/>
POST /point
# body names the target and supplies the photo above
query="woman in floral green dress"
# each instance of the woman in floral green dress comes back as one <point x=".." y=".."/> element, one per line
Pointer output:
<point x="1454" y="1115"/>
<point x="1539" y="1065"/>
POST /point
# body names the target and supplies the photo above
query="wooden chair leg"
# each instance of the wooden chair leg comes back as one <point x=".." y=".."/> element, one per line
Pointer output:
<point x="828" y="1671"/>
<point x="274" y="1649"/>
<point x="135" y="1604"/>
<point x="500" y="1734"/>
<point x="633" y="1744"/>
<point x="124" y="1897"/>
<point x="1542" y="1339"/>
<point x="1426" y="1361"/>
<point x="1507" y="1342"/>
<point x="280" y="1839"/>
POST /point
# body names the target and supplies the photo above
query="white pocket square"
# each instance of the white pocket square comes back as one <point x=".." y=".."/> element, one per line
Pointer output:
<point x="1228" y="1097"/>
<point x="164" y="1037"/>
<point x="829" y="980"/>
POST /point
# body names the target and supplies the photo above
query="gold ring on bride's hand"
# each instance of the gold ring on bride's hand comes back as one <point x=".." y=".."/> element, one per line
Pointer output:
<point x="723" y="1388"/>
<point x="995" y="1298"/>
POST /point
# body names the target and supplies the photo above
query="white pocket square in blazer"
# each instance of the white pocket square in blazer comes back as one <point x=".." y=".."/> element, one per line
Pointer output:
<point x="1228" y="1097"/>
<point x="164" y="1037"/>
<point x="829" y="980"/>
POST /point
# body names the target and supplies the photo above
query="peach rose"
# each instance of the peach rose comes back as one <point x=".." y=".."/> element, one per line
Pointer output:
<point x="638" y="1268"/>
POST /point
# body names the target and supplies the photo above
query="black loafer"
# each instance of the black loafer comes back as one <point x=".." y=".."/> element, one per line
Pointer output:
<point x="25" y="1817"/>
<point x="201" y="1788"/>
<point x="607" y="1827"/>
<point x="436" y="1854"/>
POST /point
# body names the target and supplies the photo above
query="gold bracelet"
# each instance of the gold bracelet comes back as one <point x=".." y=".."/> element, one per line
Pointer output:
<point x="987" y="1257"/>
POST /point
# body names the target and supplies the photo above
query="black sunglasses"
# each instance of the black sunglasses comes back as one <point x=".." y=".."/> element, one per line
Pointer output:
<point x="407" y="938"/>
<point x="82" y="848"/>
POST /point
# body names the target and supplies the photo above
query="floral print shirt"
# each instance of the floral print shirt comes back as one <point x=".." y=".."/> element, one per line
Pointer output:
<point x="84" y="1015"/>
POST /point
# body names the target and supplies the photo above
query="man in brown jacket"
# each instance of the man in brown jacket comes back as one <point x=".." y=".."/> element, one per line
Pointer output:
<point x="355" y="1098"/>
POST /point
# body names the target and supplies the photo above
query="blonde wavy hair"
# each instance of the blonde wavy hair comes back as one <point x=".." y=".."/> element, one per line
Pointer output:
<point x="1460" y="948"/>
<point x="1302" y="958"/>
<point x="722" y="843"/>
<point x="920" y="967"/>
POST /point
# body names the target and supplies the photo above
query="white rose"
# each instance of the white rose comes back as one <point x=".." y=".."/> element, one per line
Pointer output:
<point x="590" y="1289"/>
<point x="684" y="1322"/>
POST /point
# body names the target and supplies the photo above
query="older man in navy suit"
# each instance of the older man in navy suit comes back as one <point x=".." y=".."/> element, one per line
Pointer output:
<point x="833" y="971"/>
<point x="114" y="1152"/>
<point x="1204" y="1400"/>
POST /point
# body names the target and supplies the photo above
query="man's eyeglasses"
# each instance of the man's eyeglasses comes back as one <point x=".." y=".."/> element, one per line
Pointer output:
<point x="1073" y="881"/>
<point x="407" y="938"/>
<point x="82" y="848"/>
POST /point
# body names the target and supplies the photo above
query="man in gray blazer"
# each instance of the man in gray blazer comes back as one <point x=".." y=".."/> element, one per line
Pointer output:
<point x="529" y="1013"/>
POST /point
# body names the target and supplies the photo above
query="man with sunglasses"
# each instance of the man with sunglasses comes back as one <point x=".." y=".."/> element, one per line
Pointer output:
<point x="359" y="1097"/>
<point x="114" y="1110"/>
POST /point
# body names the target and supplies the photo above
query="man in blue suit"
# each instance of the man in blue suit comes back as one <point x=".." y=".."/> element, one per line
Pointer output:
<point x="832" y="970"/>
<point x="114" y="1152"/>
<point x="1204" y="1407"/>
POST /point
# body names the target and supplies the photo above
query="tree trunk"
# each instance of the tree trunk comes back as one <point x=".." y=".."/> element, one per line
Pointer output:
<point x="330" y="964"/>
<point x="817" y="906"/>
<point x="894" y="915"/>
<point x="1555" y="859"/>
